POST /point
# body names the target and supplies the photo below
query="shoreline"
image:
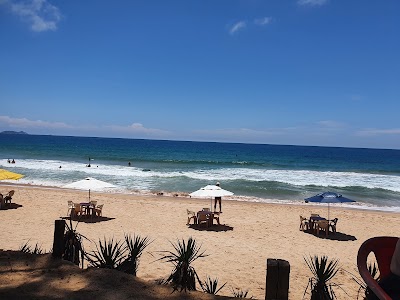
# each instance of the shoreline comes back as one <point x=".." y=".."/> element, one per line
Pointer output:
<point x="238" y="250"/>
<point x="238" y="198"/>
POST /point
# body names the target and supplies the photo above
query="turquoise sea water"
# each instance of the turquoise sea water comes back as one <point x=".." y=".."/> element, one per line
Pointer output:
<point x="265" y="173"/>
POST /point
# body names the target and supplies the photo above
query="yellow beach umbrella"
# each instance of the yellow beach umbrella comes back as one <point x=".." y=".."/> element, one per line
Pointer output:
<point x="7" y="175"/>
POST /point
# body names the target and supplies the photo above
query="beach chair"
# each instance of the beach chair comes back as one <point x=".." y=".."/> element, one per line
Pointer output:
<point x="191" y="215"/>
<point x="203" y="219"/>
<point x="323" y="225"/>
<point x="78" y="211"/>
<point x="332" y="224"/>
<point x="216" y="217"/>
<point x="383" y="248"/>
<point x="99" y="210"/>
<point x="8" y="197"/>
<point x="71" y="207"/>
<point x="304" y="223"/>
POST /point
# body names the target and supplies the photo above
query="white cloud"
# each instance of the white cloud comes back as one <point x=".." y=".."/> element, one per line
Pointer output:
<point x="25" y="123"/>
<point x="376" y="132"/>
<point x="263" y="21"/>
<point x="39" y="14"/>
<point x="136" y="128"/>
<point x="44" y="127"/>
<point x="237" y="26"/>
<point x="312" y="2"/>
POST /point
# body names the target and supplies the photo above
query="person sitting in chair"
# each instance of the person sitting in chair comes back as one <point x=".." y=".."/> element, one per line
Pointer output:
<point x="391" y="283"/>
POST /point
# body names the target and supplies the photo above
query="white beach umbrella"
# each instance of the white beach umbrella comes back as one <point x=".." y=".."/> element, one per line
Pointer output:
<point x="211" y="191"/>
<point x="90" y="183"/>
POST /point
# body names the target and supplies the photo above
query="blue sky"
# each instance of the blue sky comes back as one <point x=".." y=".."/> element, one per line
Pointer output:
<point x="299" y="72"/>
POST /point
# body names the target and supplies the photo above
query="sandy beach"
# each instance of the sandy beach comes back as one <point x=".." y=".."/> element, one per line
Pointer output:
<point x="238" y="251"/>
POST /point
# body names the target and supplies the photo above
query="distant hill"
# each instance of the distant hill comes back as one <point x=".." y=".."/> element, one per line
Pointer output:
<point x="13" y="132"/>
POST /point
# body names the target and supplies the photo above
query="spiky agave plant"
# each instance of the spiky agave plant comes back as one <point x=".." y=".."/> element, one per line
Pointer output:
<point x="135" y="247"/>
<point x="373" y="270"/>
<point x="183" y="275"/>
<point x="108" y="254"/>
<point x="239" y="293"/>
<point x="323" y="271"/>
<point x="210" y="286"/>
<point x="25" y="248"/>
<point x="73" y="246"/>
<point x="364" y="289"/>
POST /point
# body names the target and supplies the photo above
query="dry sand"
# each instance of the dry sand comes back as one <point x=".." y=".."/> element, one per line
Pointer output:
<point x="237" y="250"/>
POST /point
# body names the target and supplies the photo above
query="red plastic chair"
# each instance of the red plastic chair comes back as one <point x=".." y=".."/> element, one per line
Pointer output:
<point x="383" y="248"/>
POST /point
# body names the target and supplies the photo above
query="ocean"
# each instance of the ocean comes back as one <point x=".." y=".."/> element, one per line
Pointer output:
<point x="254" y="172"/>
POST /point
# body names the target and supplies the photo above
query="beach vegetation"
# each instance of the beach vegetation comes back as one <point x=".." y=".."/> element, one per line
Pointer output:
<point x="26" y="248"/>
<point x="183" y="275"/>
<point x="109" y="254"/>
<point x="240" y="293"/>
<point x="73" y="245"/>
<point x="323" y="271"/>
<point x="364" y="291"/>
<point x="135" y="247"/>
<point x="210" y="286"/>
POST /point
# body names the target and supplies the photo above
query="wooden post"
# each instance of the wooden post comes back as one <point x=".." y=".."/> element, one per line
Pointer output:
<point x="277" y="280"/>
<point x="58" y="243"/>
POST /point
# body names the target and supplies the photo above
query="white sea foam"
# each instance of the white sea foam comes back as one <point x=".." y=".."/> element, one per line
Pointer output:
<point x="303" y="178"/>
<point x="48" y="172"/>
<point x="355" y="205"/>
<point x="136" y="181"/>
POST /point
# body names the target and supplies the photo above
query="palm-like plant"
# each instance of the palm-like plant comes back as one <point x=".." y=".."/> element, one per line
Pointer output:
<point x="135" y="247"/>
<point x="323" y="271"/>
<point x="25" y="248"/>
<point x="108" y="254"/>
<point x="210" y="286"/>
<point x="73" y="246"/>
<point x="239" y="293"/>
<point x="183" y="275"/>
<point x="374" y="271"/>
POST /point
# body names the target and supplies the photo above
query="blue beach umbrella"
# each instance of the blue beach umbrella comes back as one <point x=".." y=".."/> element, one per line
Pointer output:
<point x="328" y="197"/>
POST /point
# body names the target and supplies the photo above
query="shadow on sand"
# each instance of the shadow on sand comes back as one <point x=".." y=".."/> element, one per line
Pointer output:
<point x="216" y="228"/>
<point x="89" y="220"/>
<point x="338" y="236"/>
<point x="11" y="206"/>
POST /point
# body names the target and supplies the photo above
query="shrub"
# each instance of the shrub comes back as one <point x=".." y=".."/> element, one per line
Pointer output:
<point x="25" y="248"/>
<point x="135" y="247"/>
<point x="239" y="293"/>
<point x="73" y="246"/>
<point x="363" y="287"/>
<point x="323" y="271"/>
<point x="108" y="254"/>
<point x="210" y="286"/>
<point x="183" y="275"/>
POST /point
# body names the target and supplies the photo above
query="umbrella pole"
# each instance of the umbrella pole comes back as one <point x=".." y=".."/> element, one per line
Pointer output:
<point x="328" y="211"/>
<point x="89" y="196"/>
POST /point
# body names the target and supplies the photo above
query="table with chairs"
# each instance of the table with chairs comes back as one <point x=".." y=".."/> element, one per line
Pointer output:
<point x="316" y="224"/>
<point x="85" y="209"/>
<point x="204" y="217"/>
